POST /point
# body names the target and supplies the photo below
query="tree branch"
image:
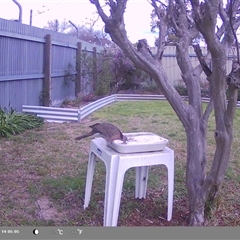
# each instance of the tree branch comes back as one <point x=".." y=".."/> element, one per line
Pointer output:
<point x="233" y="81"/>
<point x="202" y="60"/>
<point x="104" y="17"/>
<point x="162" y="26"/>
<point x="222" y="13"/>
<point x="186" y="33"/>
<point x="208" y="111"/>
<point x="143" y="59"/>
<point x="205" y="15"/>
<point x="231" y="13"/>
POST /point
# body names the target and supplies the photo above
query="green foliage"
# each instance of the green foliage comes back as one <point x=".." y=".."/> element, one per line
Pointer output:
<point x="238" y="95"/>
<point x="44" y="97"/>
<point x="104" y="78"/>
<point x="182" y="90"/>
<point x="59" y="187"/>
<point x="110" y="71"/>
<point x="116" y="72"/>
<point x="14" y="123"/>
<point x="211" y="206"/>
<point x="69" y="75"/>
<point x="87" y="64"/>
<point x="149" y="85"/>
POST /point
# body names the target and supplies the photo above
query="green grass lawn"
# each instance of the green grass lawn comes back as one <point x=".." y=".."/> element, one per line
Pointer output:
<point x="43" y="173"/>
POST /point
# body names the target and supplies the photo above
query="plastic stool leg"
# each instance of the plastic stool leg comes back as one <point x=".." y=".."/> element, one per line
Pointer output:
<point x="110" y="187"/>
<point x="118" y="194"/>
<point x="141" y="181"/>
<point x="89" y="180"/>
<point x="170" y="188"/>
<point x="137" y="181"/>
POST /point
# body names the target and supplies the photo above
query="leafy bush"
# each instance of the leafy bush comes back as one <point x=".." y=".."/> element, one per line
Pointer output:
<point x="116" y="72"/>
<point x="14" y="123"/>
<point x="149" y="85"/>
<point x="182" y="90"/>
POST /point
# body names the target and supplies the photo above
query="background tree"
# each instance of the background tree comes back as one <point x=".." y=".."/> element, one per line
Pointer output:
<point x="187" y="20"/>
<point x="57" y="26"/>
<point x="115" y="70"/>
<point x="86" y="32"/>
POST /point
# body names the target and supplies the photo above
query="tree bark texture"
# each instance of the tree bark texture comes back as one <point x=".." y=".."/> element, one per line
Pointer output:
<point x="201" y="187"/>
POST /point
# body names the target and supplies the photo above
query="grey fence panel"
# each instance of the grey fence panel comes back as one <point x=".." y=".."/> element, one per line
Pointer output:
<point x="62" y="83"/>
<point x="172" y="69"/>
<point x="22" y="65"/>
<point x="19" y="57"/>
<point x="30" y="33"/>
<point x="61" y="89"/>
<point x="63" y="57"/>
<point x="21" y="72"/>
<point x="13" y="94"/>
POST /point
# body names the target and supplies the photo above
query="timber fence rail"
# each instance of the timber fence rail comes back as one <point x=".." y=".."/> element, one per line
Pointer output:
<point x="52" y="114"/>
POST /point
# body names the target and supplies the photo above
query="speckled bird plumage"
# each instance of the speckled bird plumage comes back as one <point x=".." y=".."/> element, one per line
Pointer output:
<point x="106" y="130"/>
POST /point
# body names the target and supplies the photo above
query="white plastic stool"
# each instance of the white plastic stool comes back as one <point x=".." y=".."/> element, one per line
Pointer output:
<point x="116" y="166"/>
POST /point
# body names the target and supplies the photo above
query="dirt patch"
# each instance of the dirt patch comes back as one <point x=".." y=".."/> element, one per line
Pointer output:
<point x="47" y="210"/>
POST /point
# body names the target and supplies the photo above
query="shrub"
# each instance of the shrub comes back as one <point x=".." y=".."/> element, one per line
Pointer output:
<point x="149" y="85"/>
<point x="182" y="90"/>
<point x="14" y="123"/>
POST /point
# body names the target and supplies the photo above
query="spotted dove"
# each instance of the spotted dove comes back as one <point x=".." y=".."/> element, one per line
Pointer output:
<point x="106" y="130"/>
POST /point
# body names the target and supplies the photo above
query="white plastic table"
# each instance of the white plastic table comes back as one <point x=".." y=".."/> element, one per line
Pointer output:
<point x="116" y="166"/>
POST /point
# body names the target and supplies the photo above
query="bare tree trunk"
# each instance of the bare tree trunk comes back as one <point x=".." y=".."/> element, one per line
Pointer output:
<point x="196" y="168"/>
<point x="201" y="188"/>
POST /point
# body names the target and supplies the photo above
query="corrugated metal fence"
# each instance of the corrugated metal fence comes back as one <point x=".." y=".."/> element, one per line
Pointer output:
<point x="172" y="69"/>
<point x="51" y="114"/>
<point x="23" y="67"/>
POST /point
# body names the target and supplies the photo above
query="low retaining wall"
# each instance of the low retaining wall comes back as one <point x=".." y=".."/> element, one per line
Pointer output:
<point x="52" y="114"/>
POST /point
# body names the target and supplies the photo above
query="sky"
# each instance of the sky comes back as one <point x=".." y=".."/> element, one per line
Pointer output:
<point x="137" y="15"/>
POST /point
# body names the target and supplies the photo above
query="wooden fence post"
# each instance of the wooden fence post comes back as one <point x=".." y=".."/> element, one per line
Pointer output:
<point x="94" y="69"/>
<point x="78" y="80"/>
<point x="46" y="93"/>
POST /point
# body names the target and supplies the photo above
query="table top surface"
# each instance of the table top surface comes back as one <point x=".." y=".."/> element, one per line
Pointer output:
<point x="102" y="146"/>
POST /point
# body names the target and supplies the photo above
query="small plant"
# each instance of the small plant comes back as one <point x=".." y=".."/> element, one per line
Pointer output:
<point x="14" y="123"/>
<point x="70" y="75"/>
<point x="44" y="98"/>
<point x="104" y="77"/>
<point x="181" y="88"/>
<point x="149" y="85"/>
